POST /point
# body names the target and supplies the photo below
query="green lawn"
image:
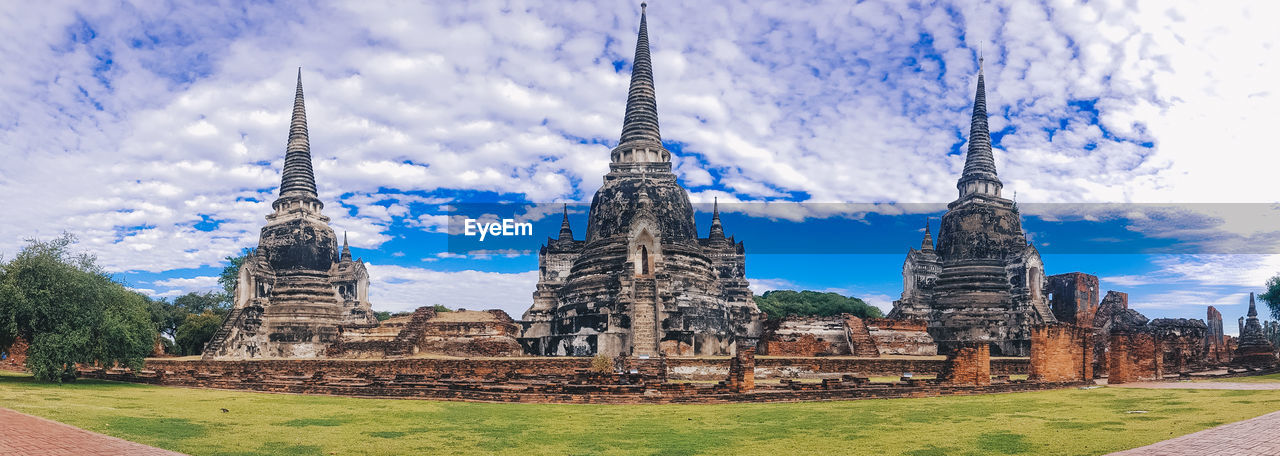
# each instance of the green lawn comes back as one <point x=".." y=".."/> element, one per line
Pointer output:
<point x="1070" y="421"/>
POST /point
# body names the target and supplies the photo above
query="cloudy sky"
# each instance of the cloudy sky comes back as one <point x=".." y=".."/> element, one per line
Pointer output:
<point x="155" y="132"/>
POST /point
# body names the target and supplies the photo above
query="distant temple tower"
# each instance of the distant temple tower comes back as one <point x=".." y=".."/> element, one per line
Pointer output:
<point x="298" y="289"/>
<point x="1253" y="348"/>
<point x="983" y="281"/>
<point x="642" y="282"/>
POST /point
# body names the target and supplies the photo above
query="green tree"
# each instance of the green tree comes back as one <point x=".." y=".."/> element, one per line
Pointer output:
<point x="198" y="303"/>
<point x="230" y="275"/>
<point x="70" y="312"/>
<point x="1272" y="296"/>
<point x="785" y="303"/>
<point x="165" y="316"/>
<point x="381" y="315"/>
<point x="196" y="331"/>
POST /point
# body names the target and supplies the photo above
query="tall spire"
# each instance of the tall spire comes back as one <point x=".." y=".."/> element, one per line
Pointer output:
<point x="926" y="244"/>
<point x="346" y="249"/>
<point x="640" y="140"/>
<point x="979" y="164"/>
<point x="1253" y="309"/>
<point x="298" y="179"/>
<point x="565" y="232"/>
<point x="717" y="229"/>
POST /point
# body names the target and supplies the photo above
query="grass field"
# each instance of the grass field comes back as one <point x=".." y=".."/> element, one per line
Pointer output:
<point x="1071" y="421"/>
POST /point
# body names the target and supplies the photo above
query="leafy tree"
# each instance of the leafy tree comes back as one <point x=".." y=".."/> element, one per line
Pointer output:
<point x="381" y="315"/>
<point x="198" y="303"/>
<point x="165" y="316"/>
<point x="70" y="312"/>
<point x="439" y="308"/>
<point x="785" y="303"/>
<point x="1272" y="296"/>
<point x="196" y="331"/>
<point x="230" y="275"/>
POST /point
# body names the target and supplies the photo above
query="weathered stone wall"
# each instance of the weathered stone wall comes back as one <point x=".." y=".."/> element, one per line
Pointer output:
<point x="805" y="336"/>
<point x="1074" y="297"/>
<point x="1061" y="353"/>
<point x="1215" y="343"/>
<point x="901" y="337"/>
<point x="742" y="371"/>
<point x="460" y="333"/>
<point x="1133" y="357"/>
<point x="969" y="364"/>
<point x="1181" y="343"/>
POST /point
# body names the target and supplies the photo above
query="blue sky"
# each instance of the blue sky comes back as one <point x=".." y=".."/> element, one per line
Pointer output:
<point x="1137" y="136"/>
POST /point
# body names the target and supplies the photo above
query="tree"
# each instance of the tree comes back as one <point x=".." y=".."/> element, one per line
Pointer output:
<point x="381" y="315"/>
<point x="70" y="312"/>
<point x="198" y="303"/>
<point x="230" y="275"/>
<point x="196" y="331"/>
<point x="165" y="316"/>
<point x="785" y="303"/>
<point x="1272" y="296"/>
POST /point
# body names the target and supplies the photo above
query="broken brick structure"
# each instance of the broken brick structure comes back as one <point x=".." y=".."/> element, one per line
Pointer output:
<point x="642" y="282"/>
<point x="461" y="333"/>
<point x="968" y="364"/>
<point x="846" y="335"/>
<point x="983" y="282"/>
<point x="1253" y="348"/>
<point x="742" y="370"/>
<point x="1061" y="353"/>
<point x="1073" y="297"/>
<point x="298" y="290"/>
<point x="15" y="357"/>
<point x="1133" y="356"/>
<point x="1181" y="343"/>
<point x="1215" y="343"/>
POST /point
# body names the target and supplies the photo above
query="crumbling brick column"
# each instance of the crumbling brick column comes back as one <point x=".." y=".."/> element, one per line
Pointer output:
<point x="1133" y="357"/>
<point x="969" y="364"/>
<point x="742" y="371"/>
<point x="1061" y="353"/>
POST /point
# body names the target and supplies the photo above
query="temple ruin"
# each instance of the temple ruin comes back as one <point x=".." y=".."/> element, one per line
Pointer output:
<point x="298" y="289"/>
<point x="642" y="282"/>
<point x="982" y="282"/>
<point x="1253" y="348"/>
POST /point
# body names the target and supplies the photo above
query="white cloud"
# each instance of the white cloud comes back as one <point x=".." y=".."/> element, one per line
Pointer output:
<point x="399" y="288"/>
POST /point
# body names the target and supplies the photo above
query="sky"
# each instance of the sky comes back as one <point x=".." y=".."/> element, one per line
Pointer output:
<point x="1137" y="135"/>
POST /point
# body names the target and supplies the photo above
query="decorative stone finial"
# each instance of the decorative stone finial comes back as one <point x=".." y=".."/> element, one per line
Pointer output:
<point x="565" y="232"/>
<point x="641" y="142"/>
<point x="298" y="178"/>
<point x="979" y="163"/>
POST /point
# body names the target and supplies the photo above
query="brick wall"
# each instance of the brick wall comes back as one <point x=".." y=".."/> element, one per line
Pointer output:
<point x="16" y="356"/>
<point x="1133" y="357"/>
<point x="742" y="371"/>
<point x="969" y="364"/>
<point x="1061" y="353"/>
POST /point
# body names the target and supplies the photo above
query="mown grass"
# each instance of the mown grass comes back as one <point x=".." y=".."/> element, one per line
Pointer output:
<point x="1070" y="421"/>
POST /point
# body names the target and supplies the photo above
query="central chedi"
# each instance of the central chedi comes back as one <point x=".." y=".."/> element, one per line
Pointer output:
<point x="643" y="282"/>
<point x="983" y="282"/>
<point x="296" y="292"/>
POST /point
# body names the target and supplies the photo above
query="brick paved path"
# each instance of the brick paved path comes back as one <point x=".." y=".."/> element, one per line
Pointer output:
<point x="1249" y="437"/>
<point x="1201" y="385"/>
<point x="22" y="434"/>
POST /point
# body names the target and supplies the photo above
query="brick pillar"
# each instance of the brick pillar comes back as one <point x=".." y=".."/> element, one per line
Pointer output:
<point x="742" y="371"/>
<point x="1118" y="368"/>
<point x="969" y="364"/>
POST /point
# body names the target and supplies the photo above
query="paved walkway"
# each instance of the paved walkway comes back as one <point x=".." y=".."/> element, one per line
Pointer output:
<point x="1249" y="437"/>
<point x="1201" y="385"/>
<point x="22" y="434"/>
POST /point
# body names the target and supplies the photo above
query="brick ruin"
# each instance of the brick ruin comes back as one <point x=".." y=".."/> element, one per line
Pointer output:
<point x="1061" y="353"/>
<point x="1215" y="342"/>
<point x="15" y="358"/>
<point x="642" y="282"/>
<point x="570" y="379"/>
<point x="969" y="364"/>
<point x="490" y="333"/>
<point x="846" y="335"/>
<point x="1181" y="343"/>
<point x="983" y="281"/>
<point x="1134" y="357"/>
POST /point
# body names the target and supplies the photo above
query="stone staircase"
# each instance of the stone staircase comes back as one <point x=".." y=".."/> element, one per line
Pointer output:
<point x="644" y="320"/>
<point x="860" y="341"/>
<point x="220" y="337"/>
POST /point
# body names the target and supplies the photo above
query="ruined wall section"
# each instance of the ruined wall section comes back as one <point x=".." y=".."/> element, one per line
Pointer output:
<point x="1074" y="297"/>
<point x="1061" y="353"/>
<point x="1134" y="357"/>
<point x="901" y="337"/>
<point x="969" y="364"/>
<point x="1181" y="343"/>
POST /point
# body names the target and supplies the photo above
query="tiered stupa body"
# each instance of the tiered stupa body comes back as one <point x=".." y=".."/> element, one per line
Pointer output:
<point x="297" y="290"/>
<point x="642" y="282"/>
<point x="1253" y="348"/>
<point x="983" y="281"/>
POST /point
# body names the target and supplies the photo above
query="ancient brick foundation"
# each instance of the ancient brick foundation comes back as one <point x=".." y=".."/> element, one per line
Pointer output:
<point x="969" y="364"/>
<point x="1134" y="357"/>
<point x="554" y="380"/>
<point x="1061" y="353"/>
<point x="901" y="337"/>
